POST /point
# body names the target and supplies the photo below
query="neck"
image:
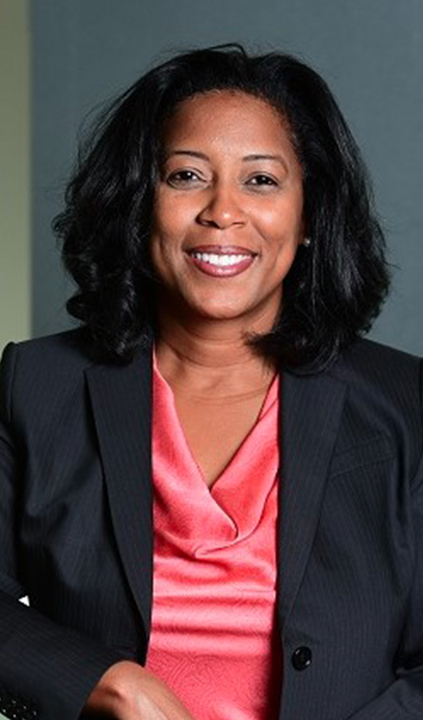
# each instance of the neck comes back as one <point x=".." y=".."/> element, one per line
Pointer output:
<point x="209" y="357"/>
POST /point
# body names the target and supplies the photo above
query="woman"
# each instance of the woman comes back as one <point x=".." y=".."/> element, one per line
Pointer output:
<point x="217" y="399"/>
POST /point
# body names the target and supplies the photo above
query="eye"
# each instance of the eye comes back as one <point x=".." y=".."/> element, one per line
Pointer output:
<point x="261" y="180"/>
<point x="183" y="177"/>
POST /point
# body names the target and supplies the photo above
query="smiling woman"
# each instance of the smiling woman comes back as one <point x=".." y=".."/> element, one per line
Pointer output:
<point x="210" y="491"/>
<point x="229" y="206"/>
<point x="331" y="295"/>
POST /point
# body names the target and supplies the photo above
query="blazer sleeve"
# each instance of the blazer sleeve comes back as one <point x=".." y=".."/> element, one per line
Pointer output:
<point x="403" y="699"/>
<point x="46" y="671"/>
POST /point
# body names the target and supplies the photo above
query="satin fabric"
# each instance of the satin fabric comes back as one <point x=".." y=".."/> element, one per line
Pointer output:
<point x="214" y="638"/>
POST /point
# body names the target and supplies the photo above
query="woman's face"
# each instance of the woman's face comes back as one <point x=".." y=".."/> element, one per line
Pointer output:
<point x="228" y="214"/>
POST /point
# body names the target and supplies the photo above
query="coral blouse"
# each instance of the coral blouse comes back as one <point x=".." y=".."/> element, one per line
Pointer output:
<point x="214" y="638"/>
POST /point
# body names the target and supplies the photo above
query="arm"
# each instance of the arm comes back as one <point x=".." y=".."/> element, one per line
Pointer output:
<point x="48" y="668"/>
<point x="403" y="699"/>
<point x="48" y="671"/>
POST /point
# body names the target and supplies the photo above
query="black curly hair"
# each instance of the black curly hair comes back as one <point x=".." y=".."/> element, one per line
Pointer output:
<point x="334" y="289"/>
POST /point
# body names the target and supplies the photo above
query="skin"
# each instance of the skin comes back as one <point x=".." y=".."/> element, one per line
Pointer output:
<point x="214" y="190"/>
<point x="230" y="177"/>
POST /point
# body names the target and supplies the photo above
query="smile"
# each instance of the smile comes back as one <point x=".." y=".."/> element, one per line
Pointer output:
<point x="220" y="260"/>
<point x="223" y="263"/>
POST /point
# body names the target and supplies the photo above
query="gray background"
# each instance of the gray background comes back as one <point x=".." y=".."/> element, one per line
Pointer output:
<point x="369" y="51"/>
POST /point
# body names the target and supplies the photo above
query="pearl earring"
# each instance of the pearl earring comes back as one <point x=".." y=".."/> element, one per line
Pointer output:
<point x="307" y="242"/>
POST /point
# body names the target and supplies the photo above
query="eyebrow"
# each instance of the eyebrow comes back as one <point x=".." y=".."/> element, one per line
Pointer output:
<point x="247" y="158"/>
<point x="266" y="156"/>
<point x="191" y="153"/>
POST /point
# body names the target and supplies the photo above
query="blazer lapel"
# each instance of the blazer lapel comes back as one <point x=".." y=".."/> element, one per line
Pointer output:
<point x="311" y="411"/>
<point x="121" y="401"/>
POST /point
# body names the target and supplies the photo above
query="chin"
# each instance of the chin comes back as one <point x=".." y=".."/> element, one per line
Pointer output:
<point x="216" y="314"/>
<point x="223" y="313"/>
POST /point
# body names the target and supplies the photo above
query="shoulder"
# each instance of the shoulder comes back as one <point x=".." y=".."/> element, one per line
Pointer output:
<point x="66" y="348"/>
<point x="371" y="365"/>
<point x="44" y="372"/>
<point x="383" y="396"/>
<point x="366" y="350"/>
<point x="47" y="361"/>
<point x="49" y="374"/>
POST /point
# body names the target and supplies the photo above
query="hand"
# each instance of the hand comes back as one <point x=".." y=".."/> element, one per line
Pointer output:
<point x="128" y="691"/>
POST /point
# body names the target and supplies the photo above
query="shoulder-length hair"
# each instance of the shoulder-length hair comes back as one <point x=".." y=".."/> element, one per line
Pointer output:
<point x="335" y="287"/>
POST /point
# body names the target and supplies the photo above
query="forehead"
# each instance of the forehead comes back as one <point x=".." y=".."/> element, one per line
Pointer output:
<point x="229" y="117"/>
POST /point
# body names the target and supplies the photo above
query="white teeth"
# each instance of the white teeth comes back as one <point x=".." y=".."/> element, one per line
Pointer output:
<point x="219" y="260"/>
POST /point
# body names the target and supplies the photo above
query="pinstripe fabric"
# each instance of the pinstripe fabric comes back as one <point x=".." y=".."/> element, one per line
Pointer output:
<point x="75" y="530"/>
<point x="121" y="399"/>
<point x="359" y="607"/>
<point x="313" y="426"/>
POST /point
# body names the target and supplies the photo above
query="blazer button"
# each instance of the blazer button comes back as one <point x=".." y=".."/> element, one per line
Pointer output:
<point x="301" y="658"/>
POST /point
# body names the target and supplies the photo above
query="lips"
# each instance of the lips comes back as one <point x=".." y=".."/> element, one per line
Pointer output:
<point x="221" y="261"/>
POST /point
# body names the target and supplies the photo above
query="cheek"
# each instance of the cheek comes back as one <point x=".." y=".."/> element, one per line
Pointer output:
<point x="161" y="225"/>
<point x="165" y="245"/>
<point x="172" y="214"/>
<point x="283" y="237"/>
<point x="285" y="233"/>
<point x="283" y="221"/>
<point x="161" y="253"/>
<point x="164" y="232"/>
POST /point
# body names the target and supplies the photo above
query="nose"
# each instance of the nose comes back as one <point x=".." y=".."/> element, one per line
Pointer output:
<point x="222" y="209"/>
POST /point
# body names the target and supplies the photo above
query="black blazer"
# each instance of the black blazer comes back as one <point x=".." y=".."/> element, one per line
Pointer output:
<point x="76" y="531"/>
